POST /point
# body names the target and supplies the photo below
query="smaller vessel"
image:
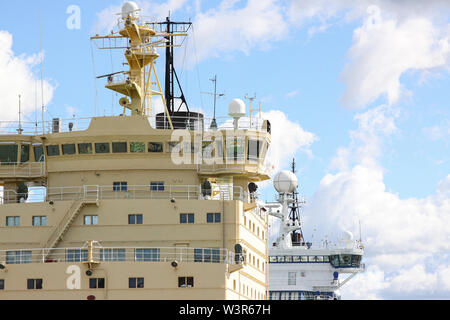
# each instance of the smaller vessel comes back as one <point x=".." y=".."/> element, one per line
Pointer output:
<point x="300" y="270"/>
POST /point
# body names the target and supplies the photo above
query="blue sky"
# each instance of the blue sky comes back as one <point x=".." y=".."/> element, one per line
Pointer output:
<point x="361" y="85"/>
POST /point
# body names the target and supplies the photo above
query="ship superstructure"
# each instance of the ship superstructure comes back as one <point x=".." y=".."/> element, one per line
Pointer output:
<point x="135" y="207"/>
<point x="301" y="270"/>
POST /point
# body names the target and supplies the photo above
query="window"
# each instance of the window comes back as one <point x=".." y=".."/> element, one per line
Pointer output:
<point x="38" y="153"/>
<point x="2" y="284"/>
<point x="24" y="153"/>
<point x="187" y="218"/>
<point x="135" y="219"/>
<point x="120" y="186"/>
<point x="39" y="221"/>
<point x="102" y="147"/>
<point x="173" y="147"/>
<point x="8" y="153"/>
<point x="213" y="218"/>
<point x="235" y="148"/>
<point x="85" y="148"/>
<point x="76" y="255"/>
<point x="254" y="149"/>
<point x="135" y="283"/>
<point x="219" y="149"/>
<point x="137" y="147"/>
<point x="112" y="254"/>
<point x="90" y="220"/>
<point x="156" y="186"/>
<point x="13" y="221"/>
<point x="149" y="254"/>
<point x="119" y="147"/>
<point x="207" y="255"/>
<point x="52" y="151"/>
<point x="18" y="257"/>
<point x="96" y="283"/>
<point x="292" y="278"/>
<point x="185" y="282"/>
<point x="68" y="149"/>
<point x="34" y="284"/>
<point x="155" y="147"/>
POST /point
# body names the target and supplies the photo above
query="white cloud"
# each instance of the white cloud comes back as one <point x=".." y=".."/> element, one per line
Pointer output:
<point x="18" y="78"/>
<point x="292" y="94"/>
<point x="438" y="132"/>
<point x="384" y="48"/>
<point x="401" y="235"/>
<point x="288" y="138"/>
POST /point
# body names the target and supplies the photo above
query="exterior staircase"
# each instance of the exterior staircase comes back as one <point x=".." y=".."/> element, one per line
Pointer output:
<point x="224" y="191"/>
<point x="65" y="223"/>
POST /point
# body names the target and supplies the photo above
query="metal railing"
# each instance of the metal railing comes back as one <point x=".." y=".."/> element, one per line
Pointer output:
<point x="133" y="192"/>
<point x="117" y="254"/>
<point x="81" y="124"/>
<point x="27" y="169"/>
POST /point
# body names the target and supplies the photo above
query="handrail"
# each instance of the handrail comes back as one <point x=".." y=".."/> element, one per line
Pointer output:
<point x="118" y="254"/>
<point x="26" y="169"/>
<point x="133" y="192"/>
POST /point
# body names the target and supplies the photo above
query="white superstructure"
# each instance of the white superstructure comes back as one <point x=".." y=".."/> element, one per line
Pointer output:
<point x="299" y="270"/>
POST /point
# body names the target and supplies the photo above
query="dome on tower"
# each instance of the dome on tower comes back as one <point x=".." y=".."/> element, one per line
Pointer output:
<point x="285" y="182"/>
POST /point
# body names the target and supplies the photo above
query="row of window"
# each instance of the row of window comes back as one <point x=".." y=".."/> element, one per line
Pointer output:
<point x="99" y="283"/>
<point x="299" y="259"/>
<point x="114" y="254"/>
<point x="337" y="261"/>
<point x="300" y="295"/>
<point x="14" y="221"/>
<point x="89" y="220"/>
<point x="123" y="186"/>
<point x="253" y="228"/>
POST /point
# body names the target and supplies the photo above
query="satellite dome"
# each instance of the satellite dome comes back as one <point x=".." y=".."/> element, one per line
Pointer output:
<point x="130" y="8"/>
<point x="347" y="235"/>
<point x="285" y="182"/>
<point x="236" y="108"/>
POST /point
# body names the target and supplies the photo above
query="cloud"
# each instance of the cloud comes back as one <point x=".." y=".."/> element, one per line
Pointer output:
<point x="402" y="236"/>
<point x="292" y="93"/>
<point x="18" y="78"/>
<point x="438" y="132"/>
<point x="288" y="138"/>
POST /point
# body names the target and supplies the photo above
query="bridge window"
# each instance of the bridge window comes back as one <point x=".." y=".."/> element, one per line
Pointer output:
<point x="155" y="147"/>
<point x="53" y="150"/>
<point x="85" y="148"/>
<point x="38" y="153"/>
<point x="219" y="149"/>
<point x="2" y="284"/>
<point x="235" y="148"/>
<point x="102" y="147"/>
<point x="119" y="147"/>
<point x="68" y="149"/>
<point x="24" y="153"/>
<point x="8" y="153"/>
<point x="137" y="147"/>
<point x="254" y="149"/>
<point x="173" y="147"/>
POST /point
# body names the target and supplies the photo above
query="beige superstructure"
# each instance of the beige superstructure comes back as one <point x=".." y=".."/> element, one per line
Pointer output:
<point x="131" y="211"/>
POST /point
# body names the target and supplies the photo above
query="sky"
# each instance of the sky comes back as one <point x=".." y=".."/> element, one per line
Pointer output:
<point x="356" y="92"/>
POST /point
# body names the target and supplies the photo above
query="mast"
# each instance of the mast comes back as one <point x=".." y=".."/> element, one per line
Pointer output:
<point x="294" y="214"/>
<point x="171" y="74"/>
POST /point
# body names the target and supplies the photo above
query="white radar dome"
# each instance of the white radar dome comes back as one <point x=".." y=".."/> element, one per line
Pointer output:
<point x="347" y="235"/>
<point x="285" y="182"/>
<point x="130" y="8"/>
<point x="236" y="108"/>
